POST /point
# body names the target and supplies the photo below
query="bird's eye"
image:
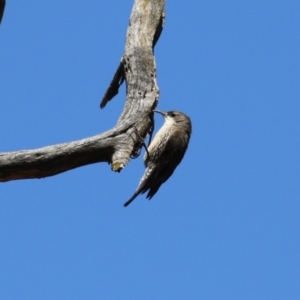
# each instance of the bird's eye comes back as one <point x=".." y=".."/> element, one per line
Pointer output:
<point x="172" y="114"/>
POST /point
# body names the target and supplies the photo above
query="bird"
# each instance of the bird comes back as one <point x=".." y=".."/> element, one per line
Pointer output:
<point x="164" y="153"/>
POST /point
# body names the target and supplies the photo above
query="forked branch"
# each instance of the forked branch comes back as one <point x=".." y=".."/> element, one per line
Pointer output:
<point x="115" y="146"/>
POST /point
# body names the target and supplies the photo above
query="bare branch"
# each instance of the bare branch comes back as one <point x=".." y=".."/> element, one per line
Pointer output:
<point x="55" y="159"/>
<point x="116" y="146"/>
<point x="113" y="88"/>
<point x="2" y="6"/>
<point x="159" y="28"/>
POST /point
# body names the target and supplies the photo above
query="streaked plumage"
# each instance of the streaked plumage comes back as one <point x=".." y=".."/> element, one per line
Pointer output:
<point x="165" y="152"/>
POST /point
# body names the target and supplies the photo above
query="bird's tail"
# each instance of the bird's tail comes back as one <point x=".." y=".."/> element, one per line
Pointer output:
<point x="132" y="198"/>
<point x="142" y="188"/>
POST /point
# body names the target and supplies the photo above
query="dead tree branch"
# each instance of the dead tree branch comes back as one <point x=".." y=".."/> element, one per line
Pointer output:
<point x="117" y="145"/>
<point x="2" y="6"/>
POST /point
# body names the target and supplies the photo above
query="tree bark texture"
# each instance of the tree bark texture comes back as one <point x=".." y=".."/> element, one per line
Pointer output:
<point x="118" y="145"/>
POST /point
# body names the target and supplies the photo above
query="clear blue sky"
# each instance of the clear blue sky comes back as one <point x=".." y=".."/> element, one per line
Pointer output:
<point x="225" y="226"/>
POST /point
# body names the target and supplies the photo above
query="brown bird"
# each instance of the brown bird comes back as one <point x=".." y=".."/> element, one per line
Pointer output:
<point x="165" y="152"/>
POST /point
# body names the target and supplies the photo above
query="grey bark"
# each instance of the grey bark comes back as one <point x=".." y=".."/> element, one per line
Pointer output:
<point x="116" y="146"/>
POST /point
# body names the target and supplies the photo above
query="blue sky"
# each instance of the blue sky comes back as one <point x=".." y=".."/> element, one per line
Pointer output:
<point x="225" y="225"/>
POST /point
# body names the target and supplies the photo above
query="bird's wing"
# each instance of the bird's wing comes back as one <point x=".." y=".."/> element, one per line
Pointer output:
<point x="157" y="172"/>
<point x="169" y="160"/>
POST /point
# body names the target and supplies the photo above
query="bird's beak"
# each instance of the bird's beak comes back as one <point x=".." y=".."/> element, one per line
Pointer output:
<point x="161" y="112"/>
